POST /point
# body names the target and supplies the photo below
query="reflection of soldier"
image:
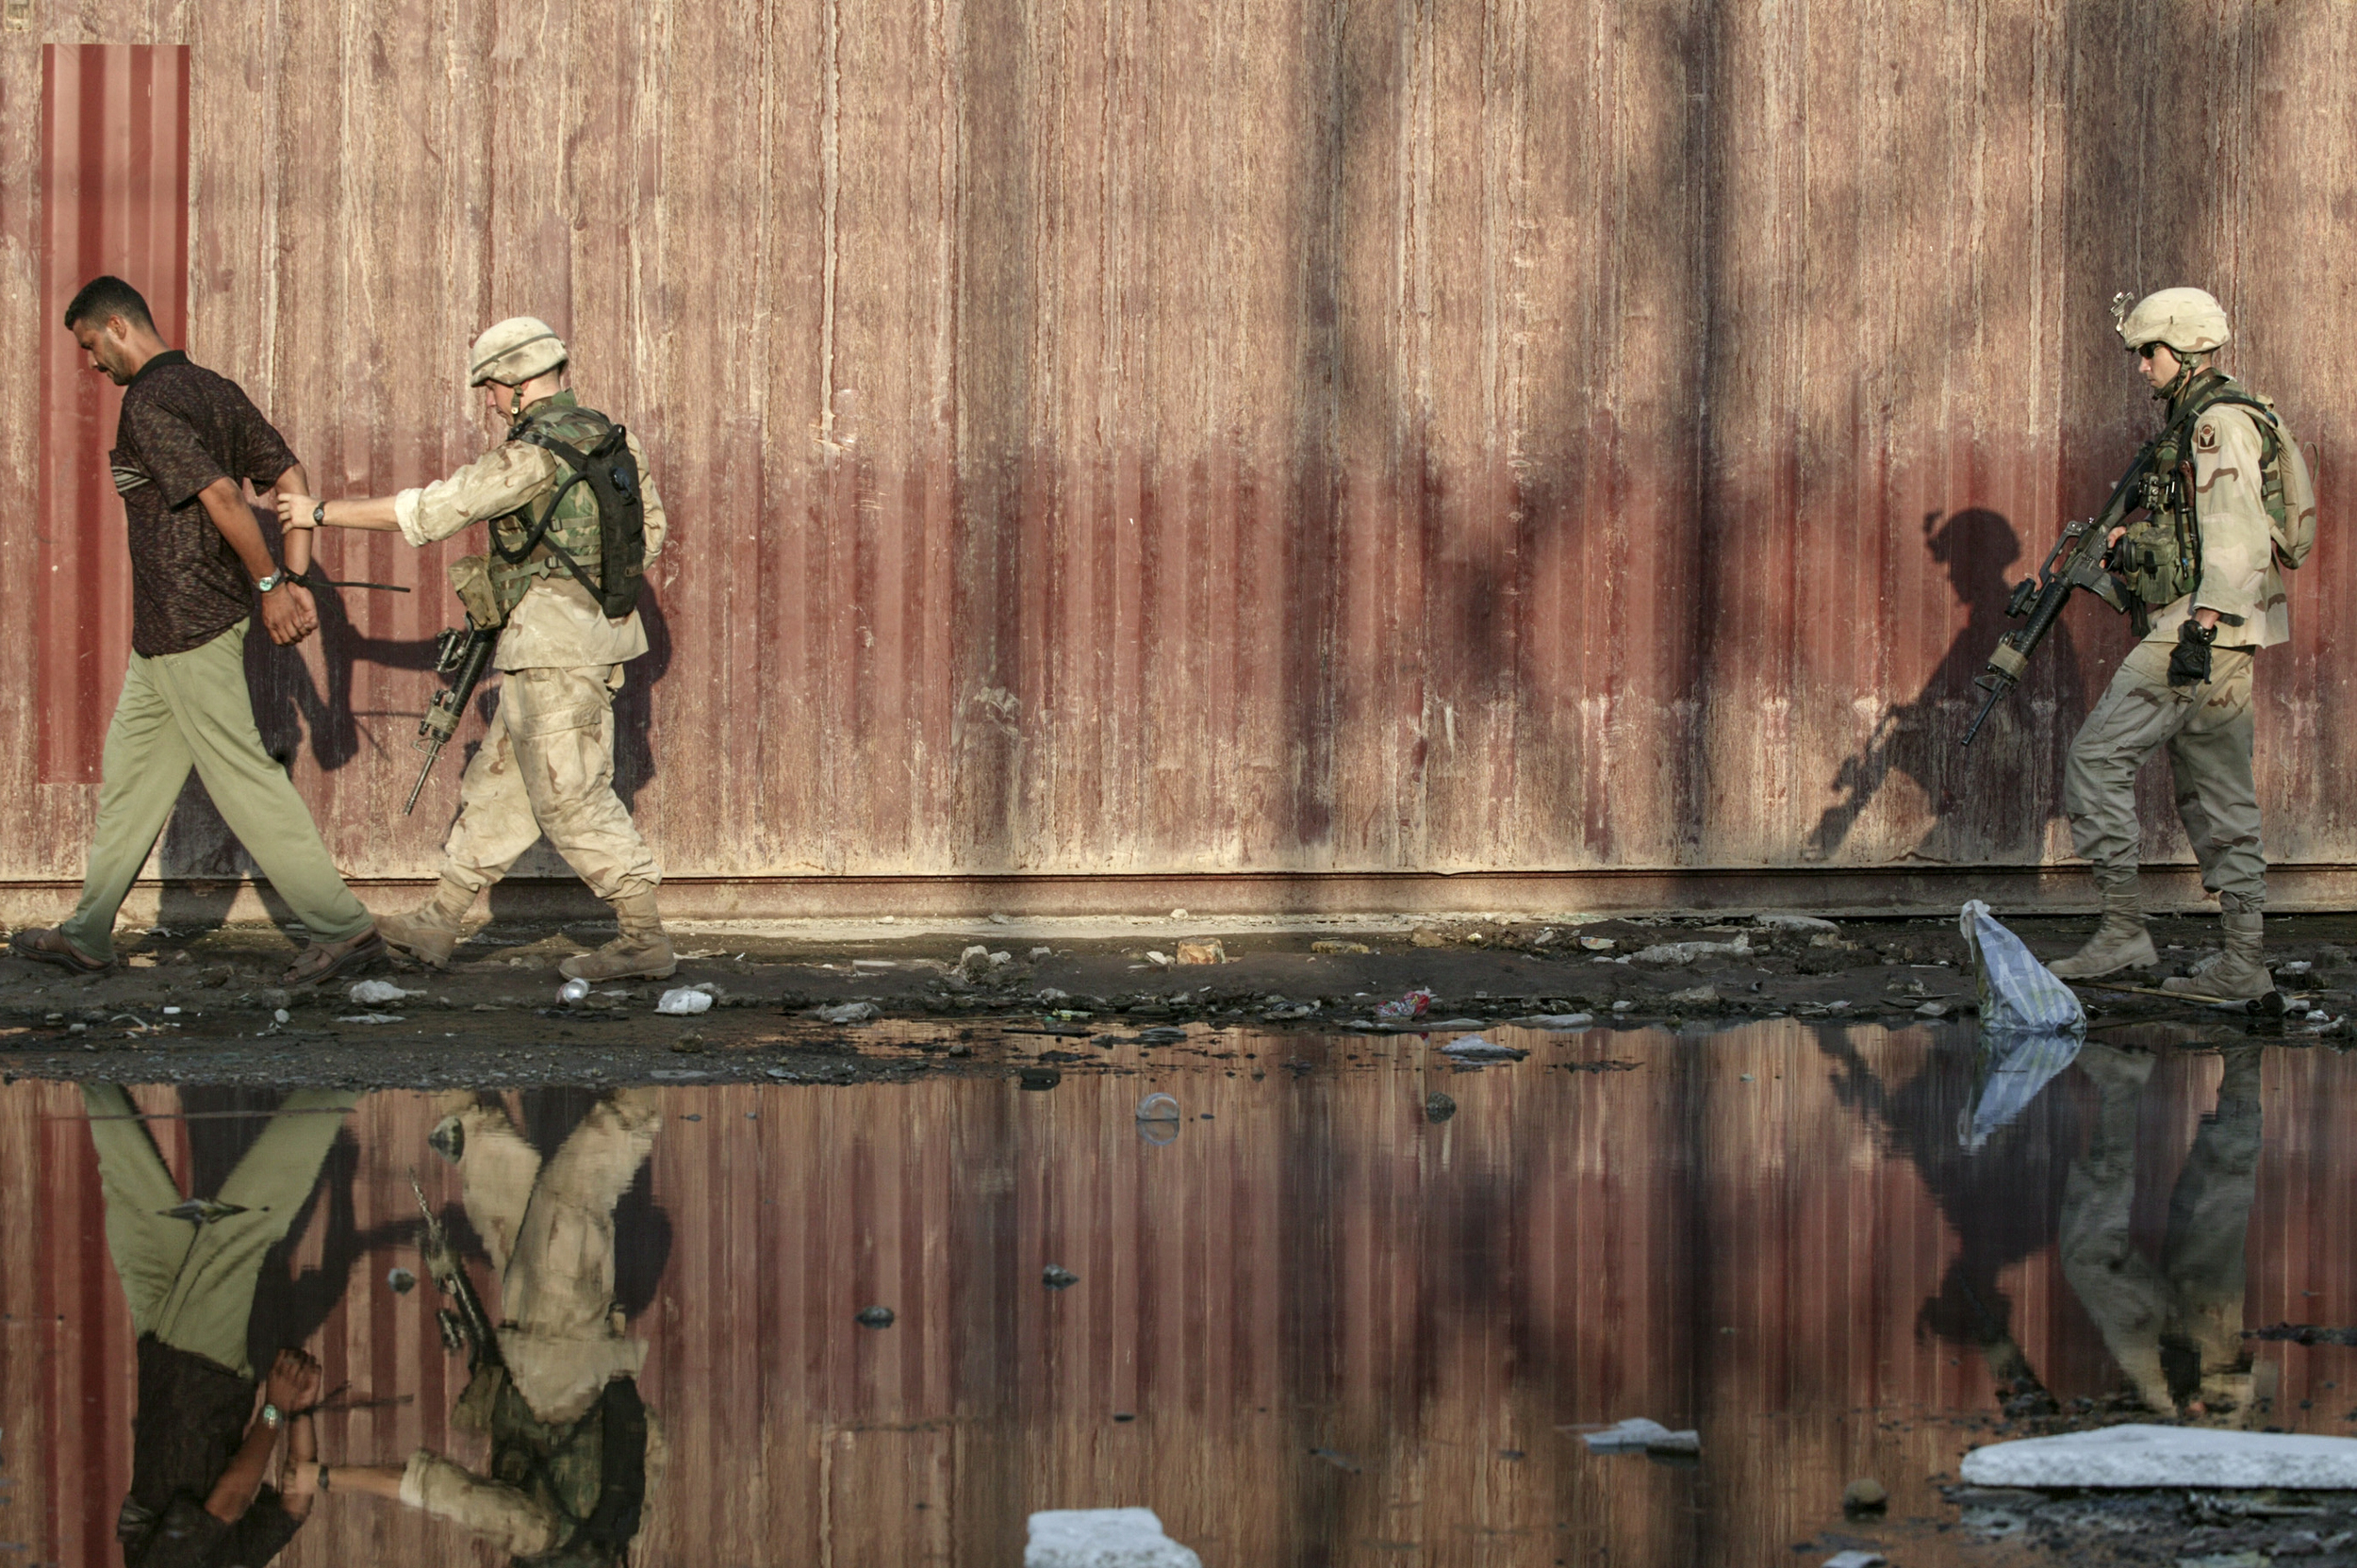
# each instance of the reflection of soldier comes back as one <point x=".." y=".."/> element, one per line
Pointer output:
<point x="1976" y="545"/>
<point x="201" y="1446"/>
<point x="547" y="764"/>
<point x="573" y="1451"/>
<point x="2176" y="1330"/>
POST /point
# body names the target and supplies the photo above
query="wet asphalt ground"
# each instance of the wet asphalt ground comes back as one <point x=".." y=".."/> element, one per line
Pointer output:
<point x="207" y="1006"/>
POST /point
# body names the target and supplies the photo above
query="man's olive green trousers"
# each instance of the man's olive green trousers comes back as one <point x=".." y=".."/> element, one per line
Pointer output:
<point x="187" y="710"/>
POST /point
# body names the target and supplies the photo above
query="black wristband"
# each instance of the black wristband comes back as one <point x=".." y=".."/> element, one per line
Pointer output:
<point x="319" y="515"/>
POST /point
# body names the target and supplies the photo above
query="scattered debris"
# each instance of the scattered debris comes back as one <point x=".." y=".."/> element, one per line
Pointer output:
<point x="371" y="1018"/>
<point x="1103" y="1538"/>
<point x="1639" y="1435"/>
<point x="376" y="993"/>
<point x="847" y="1012"/>
<point x="1685" y="953"/>
<point x="1473" y="1048"/>
<point x="1202" y="952"/>
<point x="1865" y="1496"/>
<point x="2304" y="1333"/>
<point x="1793" y="922"/>
<point x="1413" y="1005"/>
<point x="684" y="1001"/>
<point x="1558" y="1021"/>
<point x="1333" y="945"/>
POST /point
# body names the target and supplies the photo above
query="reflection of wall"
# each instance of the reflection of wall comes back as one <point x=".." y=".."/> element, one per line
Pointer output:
<point x="1283" y="435"/>
<point x="1316" y="1267"/>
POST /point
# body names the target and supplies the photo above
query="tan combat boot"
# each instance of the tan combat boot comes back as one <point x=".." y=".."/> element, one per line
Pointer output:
<point x="2119" y="943"/>
<point x="428" y="933"/>
<point x="642" y="952"/>
<point x="2239" y="973"/>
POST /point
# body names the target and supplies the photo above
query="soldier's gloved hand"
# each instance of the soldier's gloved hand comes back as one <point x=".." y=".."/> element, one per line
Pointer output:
<point x="2189" y="662"/>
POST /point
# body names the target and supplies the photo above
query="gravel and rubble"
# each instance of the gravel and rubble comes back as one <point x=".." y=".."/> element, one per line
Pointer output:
<point x="885" y="999"/>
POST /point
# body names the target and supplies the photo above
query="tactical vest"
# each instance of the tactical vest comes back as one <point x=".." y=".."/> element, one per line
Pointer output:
<point x="2160" y="557"/>
<point x="592" y="1471"/>
<point x="591" y="528"/>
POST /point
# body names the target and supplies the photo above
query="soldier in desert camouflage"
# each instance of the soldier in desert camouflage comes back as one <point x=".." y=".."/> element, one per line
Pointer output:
<point x="2202" y="563"/>
<point x="547" y="764"/>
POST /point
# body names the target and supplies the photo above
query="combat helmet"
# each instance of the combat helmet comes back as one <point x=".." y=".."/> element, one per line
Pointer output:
<point x="514" y="351"/>
<point x="2190" y="320"/>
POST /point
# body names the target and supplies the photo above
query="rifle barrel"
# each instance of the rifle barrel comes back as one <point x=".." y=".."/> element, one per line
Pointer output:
<point x="1987" y="707"/>
<point x="433" y="751"/>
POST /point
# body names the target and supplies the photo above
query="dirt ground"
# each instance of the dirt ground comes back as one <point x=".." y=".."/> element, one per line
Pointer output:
<point x="1030" y="996"/>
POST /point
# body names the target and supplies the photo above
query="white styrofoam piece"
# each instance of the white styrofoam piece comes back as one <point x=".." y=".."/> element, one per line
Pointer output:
<point x="2141" y="1456"/>
<point x="1103" y="1538"/>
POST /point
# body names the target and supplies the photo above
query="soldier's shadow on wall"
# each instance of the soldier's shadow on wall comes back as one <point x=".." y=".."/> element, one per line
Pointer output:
<point x="1918" y="738"/>
<point x="201" y="860"/>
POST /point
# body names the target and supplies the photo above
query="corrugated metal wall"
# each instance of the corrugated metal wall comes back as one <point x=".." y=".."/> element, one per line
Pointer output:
<point x="1272" y="435"/>
<point x="1316" y="1267"/>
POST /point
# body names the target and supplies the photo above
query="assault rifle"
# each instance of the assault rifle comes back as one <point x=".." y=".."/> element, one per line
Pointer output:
<point x="464" y="1323"/>
<point x="465" y="653"/>
<point x="2085" y="553"/>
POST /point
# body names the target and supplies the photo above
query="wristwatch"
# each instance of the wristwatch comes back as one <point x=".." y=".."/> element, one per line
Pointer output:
<point x="319" y="515"/>
<point x="271" y="1415"/>
<point x="272" y="581"/>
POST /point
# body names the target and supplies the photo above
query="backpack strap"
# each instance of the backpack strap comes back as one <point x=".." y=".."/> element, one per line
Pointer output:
<point x="576" y="463"/>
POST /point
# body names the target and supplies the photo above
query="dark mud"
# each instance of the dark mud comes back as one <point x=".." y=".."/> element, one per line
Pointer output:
<point x="203" y="1006"/>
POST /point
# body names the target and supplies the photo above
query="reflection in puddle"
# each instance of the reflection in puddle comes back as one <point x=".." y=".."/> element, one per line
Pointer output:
<point x="1303" y="1316"/>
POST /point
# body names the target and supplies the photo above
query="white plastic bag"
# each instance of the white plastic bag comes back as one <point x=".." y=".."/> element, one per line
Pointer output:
<point x="2013" y="1067"/>
<point x="2018" y="993"/>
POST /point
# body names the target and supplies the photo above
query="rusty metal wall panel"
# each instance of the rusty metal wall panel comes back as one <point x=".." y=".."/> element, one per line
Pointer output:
<point x="1268" y="437"/>
<point x="114" y="195"/>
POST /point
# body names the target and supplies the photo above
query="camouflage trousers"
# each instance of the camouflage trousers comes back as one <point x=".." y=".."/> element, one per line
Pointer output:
<point x="546" y="767"/>
<point x="2193" y="1300"/>
<point x="550" y="1230"/>
<point x="2208" y="732"/>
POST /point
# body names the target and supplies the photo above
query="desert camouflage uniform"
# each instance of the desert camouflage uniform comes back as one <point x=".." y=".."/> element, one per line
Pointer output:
<point x="2207" y="727"/>
<point x="547" y="762"/>
<point x="549" y="1228"/>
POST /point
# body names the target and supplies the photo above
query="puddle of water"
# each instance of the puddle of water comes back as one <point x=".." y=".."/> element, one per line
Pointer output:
<point x="1341" y="1302"/>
